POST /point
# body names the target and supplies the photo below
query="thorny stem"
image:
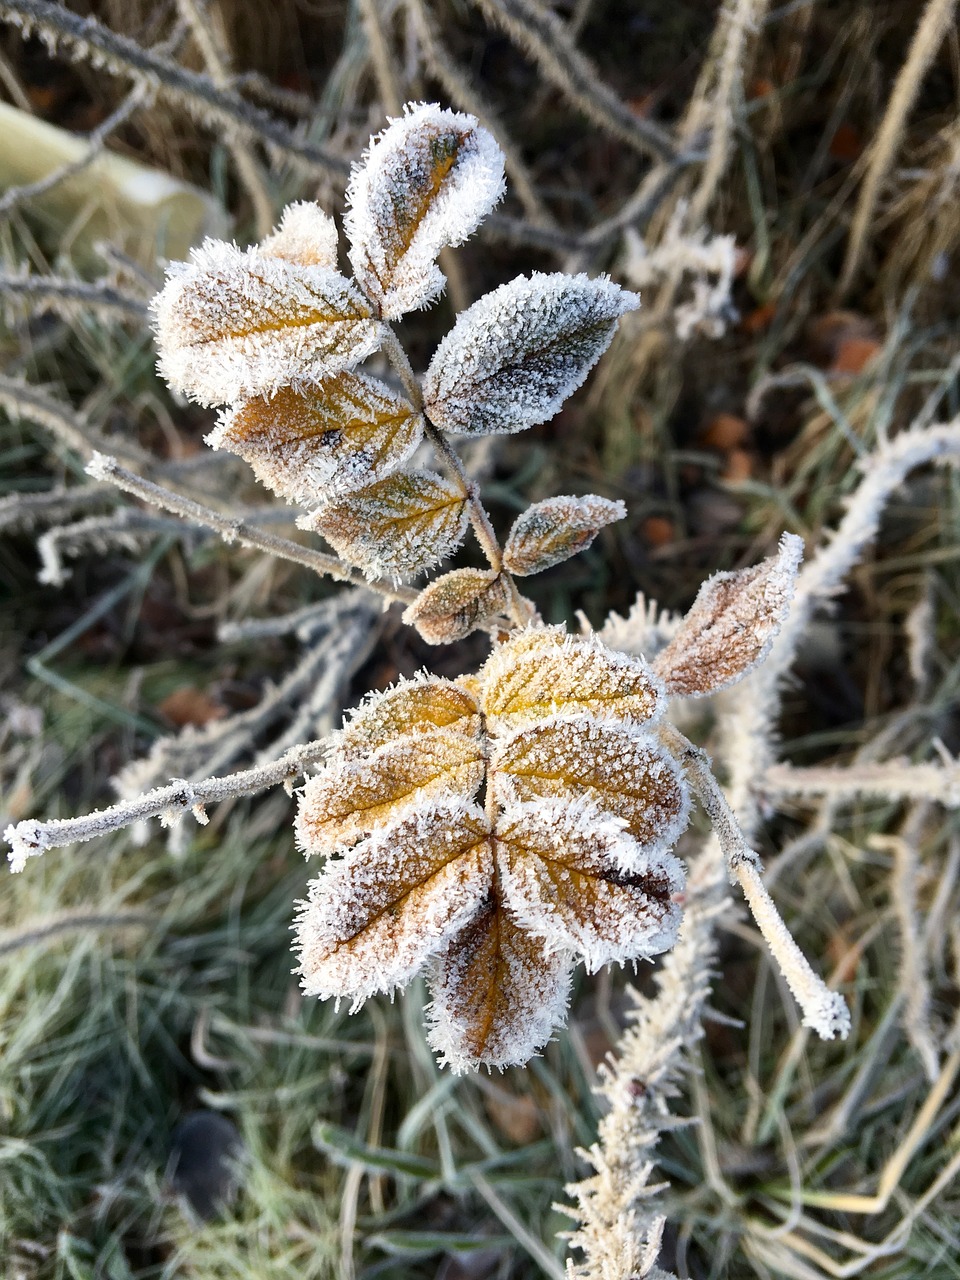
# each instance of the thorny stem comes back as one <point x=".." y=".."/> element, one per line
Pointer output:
<point x="480" y="521"/>
<point x="232" y="529"/>
<point x="167" y="803"/>
<point x="823" y="1010"/>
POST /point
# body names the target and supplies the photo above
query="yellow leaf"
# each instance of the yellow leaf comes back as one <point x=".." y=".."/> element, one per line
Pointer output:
<point x="397" y="527"/>
<point x="455" y="604"/>
<point x="377" y="914"/>
<point x="561" y="869"/>
<point x="498" y="995"/>
<point x="310" y="443"/>
<point x="552" y="531"/>
<point x="622" y="773"/>
<point x="543" y="672"/>
<point x="347" y="799"/>
<point x="234" y="324"/>
<point x="411" y="707"/>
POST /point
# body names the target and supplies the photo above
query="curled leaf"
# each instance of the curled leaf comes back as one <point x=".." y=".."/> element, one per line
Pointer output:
<point x="426" y="182"/>
<point x="552" y="531"/>
<point x="414" y="706"/>
<point x="498" y="993"/>
<point x="377" y="914"/>
<point x="347" y="799"/>
<point x="543" y="672"/>
<point x="624" y="774"/>
<point x="512" y="358"/>
<point x="562" y="871"/>
<point x="306" y="235"/>
<point x="732" y="624"/>
<point x="397" y="527"/>
<point x="454" y="605"/>
<point x="232" y="324"/>
<point x="310" y="442"/>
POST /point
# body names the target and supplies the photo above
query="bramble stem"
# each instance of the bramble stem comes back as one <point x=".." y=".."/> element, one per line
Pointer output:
<point x="823" y="1010"/>
<point x="479" y="520"/>
<point x="232" y="529"/>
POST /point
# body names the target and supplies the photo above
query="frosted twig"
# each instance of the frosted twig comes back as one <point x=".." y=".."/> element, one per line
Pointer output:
<point x="21" y="400"/>
<point x="71" y="297"/>
<point x="248" y="169"/>
<point x="931" y="30"/>
<point x="891" y="780"/>
<point x="30" y="838"/>
<point x="126" y="529"/>
<point x="233" y="529"/>
<point x="543" y="36"/>
<point x="87" y="40"/>
<point x="24" y="510"/>
<point x="823" y="1010"/>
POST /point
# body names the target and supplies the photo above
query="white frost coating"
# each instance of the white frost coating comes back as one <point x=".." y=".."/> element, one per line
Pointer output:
<point x="306" y="235"/>
<point x="232" y="324"/>
<point x="376" y="915"/>
<point x="512" y="358"/>
<point x="552" y="531"/>
<point x="561" y="869"/>
<point x="426" y="182"/>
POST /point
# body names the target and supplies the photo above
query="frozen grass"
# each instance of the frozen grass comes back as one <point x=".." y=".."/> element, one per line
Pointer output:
<point x="139" y="983"/>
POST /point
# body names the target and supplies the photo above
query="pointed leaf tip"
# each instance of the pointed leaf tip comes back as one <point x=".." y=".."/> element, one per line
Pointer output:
<point x="512" y="358"/>
<point x="426" y="182"/>
<point x="731" y="625"/>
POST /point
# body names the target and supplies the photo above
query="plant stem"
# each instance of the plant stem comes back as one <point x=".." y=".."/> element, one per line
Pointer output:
<point x="233" y="529"/>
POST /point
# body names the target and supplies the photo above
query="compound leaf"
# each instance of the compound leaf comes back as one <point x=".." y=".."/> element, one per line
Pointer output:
<point x="426" y="182"/>
<point x="312" y="442"/>
<point x="512" y="358"/>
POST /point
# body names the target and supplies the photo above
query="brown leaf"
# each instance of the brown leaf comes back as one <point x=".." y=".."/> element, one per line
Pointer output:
<point x="455" y="604"/>
<point x="190" y="705"/>
<point x="397" y="527"/>
<point x="497" y="995"/>
<point x="311" y="443"/>
<point x="552" y="531"/>
<point x="349" y="798"/>
<point x="731" y="625"/>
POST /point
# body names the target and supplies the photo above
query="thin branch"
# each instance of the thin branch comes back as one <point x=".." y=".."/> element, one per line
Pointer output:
<point x="25" y="510"/>
<point x="892" y="781"/>
<point x="87" y="40"/>
<point x="823" y="1010"/>
<point x="71" y="297"/>
<point x="21" y="400"/>
<point x="235" y="529"/>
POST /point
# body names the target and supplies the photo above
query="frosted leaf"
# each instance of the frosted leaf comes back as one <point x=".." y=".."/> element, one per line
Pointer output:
<point x="349" y="798"/>
<point x="308" y="443"/>
<point x="414" y="706"/>
<point x="732" y="624"/>
<point x="552" y="531"/>
<point x="397" y="527"/>
<point x="512" y="358"/>
<point x="544" y="672"/>
<point x="454" y="605"/>
<point x="498" y="995"/>
<point x="232" y="324"/>
<point x="621" y="772"/>
<point x="306" y="235"/>
<point x="377" y="914"/>
<point x="426" y="182"/>
<point x="561" y="867"/>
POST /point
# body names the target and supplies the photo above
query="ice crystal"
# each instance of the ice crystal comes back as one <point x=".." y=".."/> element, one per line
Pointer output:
<point x="512" y="358"/>
<point x="452" y="606"/>
<point x="552" y="531"/>
<point x="426" y="182"/>
<point x="232" y="324"/>
<point x="397" y="527"/>
<point x="306" y="235"/>
<point x="312" y="443"/>
<point x="731" y="625"/>
<point x="569" y="859"/>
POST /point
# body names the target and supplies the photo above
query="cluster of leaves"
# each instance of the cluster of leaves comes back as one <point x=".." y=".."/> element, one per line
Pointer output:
<point x="275" y="332"/>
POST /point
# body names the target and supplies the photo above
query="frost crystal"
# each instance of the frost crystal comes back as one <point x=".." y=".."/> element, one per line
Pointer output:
<point x="306" y="235"/>
<point x="570" y="859"/>
<point x="310" y="444"/>
<point x="232" y="324"/>
<point x="552" y="531"/>
<point x="452" y="606"/>
<point x="426" y="182"/>
<point x="512" y="358"/>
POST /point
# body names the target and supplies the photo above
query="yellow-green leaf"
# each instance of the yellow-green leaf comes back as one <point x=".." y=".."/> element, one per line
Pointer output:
<point x="397" y="527"/>
<point x="311" y="443"/>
